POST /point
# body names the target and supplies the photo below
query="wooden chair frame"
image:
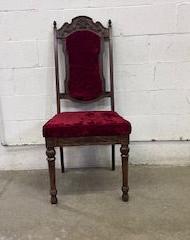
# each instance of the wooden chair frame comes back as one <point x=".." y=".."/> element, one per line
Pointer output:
<point x="78" y="24"/>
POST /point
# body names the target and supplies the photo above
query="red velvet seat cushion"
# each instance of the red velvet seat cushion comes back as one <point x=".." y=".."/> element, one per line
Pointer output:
<point x="83" y="124"/>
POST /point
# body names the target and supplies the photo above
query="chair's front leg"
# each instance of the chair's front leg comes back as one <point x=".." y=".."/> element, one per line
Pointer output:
<point x="50" y="152"/>
<point x="124" y="157"/>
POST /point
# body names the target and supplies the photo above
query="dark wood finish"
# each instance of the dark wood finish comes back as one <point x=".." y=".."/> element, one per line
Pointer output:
<point x="79" y="24"/>
<point x="111" y="65"/>
<point x="84" y="141"/>
<point x="111" y="83"/>
<point x="50" y="152"/>
<point x="124" y="157"/>
<point x="62" y="160"/>
<point x="113" y="156"/>
<point x="56" y="67"/>
<point x="66" y="96"/>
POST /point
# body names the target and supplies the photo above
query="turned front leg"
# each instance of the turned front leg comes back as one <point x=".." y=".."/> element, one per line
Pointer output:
<point x="124" y="157"/>
<point x="51" y="164"/>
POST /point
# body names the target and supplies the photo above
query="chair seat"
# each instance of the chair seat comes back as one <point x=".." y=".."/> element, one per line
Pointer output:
<point x="85" y="124"/>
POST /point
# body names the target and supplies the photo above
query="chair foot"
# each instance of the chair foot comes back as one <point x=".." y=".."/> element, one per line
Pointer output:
<point x="125" y="195"/>
<point x="53" y="198"/>
<point x="62" y="170"/>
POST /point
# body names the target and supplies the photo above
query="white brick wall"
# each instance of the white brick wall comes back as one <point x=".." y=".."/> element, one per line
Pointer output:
<point x="152" y="73"/>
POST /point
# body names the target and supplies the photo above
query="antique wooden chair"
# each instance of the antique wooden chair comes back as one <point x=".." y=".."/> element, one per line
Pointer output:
<point x="83" y="44"/>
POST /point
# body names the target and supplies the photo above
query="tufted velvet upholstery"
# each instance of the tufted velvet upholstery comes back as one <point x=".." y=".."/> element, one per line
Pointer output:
<point x="84" y="80"/>
<point x="83" y="124"/>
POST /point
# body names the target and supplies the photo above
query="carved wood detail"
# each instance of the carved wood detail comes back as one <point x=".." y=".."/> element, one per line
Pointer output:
<point x="82" y="23"/>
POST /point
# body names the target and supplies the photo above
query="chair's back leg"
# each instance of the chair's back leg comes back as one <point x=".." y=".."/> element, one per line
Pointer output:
<point x="62" y="160"/>
<point x="113" y="157"/>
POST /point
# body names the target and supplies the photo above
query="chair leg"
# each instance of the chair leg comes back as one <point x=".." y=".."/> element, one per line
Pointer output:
<point x="62" y="160"/>
<point x="50" y="152"/>
<point x="124" y="157"/>
<point x="113" y="157"/>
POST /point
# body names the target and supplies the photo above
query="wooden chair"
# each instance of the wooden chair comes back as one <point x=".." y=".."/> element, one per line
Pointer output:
<point x="83" y="44"/>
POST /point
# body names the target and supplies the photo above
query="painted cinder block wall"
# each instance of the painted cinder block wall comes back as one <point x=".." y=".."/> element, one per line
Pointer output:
<point x="152" y="78"/>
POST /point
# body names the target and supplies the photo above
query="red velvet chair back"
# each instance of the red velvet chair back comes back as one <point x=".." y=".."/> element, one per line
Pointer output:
<point x="83" y="45"/>
<point x="84" y="76"/>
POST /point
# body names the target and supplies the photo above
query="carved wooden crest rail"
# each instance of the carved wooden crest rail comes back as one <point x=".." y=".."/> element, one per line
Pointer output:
<point x="82" y="23"/>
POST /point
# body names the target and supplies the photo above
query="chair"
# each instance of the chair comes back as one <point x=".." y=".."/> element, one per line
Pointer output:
<point x="83" y="44"/>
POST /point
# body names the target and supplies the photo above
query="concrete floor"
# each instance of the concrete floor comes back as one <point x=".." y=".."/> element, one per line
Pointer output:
<point x="90" y="207"/>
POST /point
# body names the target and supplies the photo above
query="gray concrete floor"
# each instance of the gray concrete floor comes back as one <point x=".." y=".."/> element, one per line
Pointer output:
<point x="90" y="206"/>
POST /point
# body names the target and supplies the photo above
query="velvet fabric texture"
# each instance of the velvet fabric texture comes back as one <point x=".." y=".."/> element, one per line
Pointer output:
<point x="84" y="124"/>
<point x="83" y="78"/>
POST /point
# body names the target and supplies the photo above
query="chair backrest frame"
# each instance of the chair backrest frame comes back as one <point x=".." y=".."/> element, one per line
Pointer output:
<point x="81" y="23"/>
